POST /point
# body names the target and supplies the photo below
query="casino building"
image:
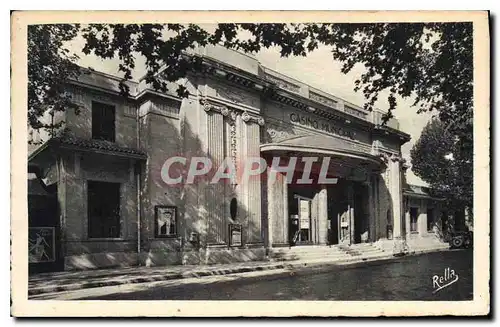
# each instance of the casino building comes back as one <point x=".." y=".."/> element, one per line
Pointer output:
<point x="103" y="172"/>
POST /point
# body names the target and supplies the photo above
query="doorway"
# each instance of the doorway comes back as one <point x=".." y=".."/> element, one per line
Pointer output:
<point x="303" y="215"/>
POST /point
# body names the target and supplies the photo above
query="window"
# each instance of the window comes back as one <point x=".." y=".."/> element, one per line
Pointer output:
<point x="103" y="121"/>
<point x="413" y="219"/>
<point x="165" y="221"/>
<point x="103" y="209"/>
<point x="430" y="219"/>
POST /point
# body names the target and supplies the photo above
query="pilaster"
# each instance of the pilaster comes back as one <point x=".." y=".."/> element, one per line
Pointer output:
<point x="216" y="220"/>
<point x="252" y="185"/>
<point x="236" y="132"/>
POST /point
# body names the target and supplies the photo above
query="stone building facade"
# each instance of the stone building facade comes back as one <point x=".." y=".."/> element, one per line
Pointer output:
<point x="108" y="166"/>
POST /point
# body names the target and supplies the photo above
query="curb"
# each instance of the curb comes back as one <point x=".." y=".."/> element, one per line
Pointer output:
<point x="225" y="271"/>
<point x="153" y="278"/>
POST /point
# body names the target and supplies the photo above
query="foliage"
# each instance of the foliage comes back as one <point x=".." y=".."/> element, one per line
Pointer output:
<point x="438" y="158"/>
<point x="50" y="65"/>
<point x="431" y="62"/>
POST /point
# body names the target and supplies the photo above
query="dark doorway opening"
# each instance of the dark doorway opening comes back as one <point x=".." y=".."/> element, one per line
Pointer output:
<point x="44" y="234"/>
<point x="303" y="215"/>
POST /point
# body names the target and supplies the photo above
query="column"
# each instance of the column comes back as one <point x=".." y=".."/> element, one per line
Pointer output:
<point x="371" y="208"/>
<point x="422" y="218"/>
<point x="396" y="194"/>
<point x="323" y="215"/>
<point x="350" y="208"/>
<point x="284" y="227"/>
<point x="407" y="220"/>
<point x="275" y="209"/>
<point x="376" y="204"/>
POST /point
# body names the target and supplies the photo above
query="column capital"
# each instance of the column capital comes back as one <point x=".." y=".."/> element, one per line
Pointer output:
<point x="396" y="158"/>
<point x="384" y="157"/>
<point x="387" y="156"/>
<point x="247" y="118"/>
<point x="210" y="106"/>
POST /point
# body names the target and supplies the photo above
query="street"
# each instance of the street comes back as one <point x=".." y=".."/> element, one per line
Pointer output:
<point x="405" y="278"/>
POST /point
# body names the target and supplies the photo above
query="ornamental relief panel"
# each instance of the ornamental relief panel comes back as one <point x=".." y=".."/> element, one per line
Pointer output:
<point x="283" y="84"/>
<point x="276" y="132"/>
<point x="236" y="95"/>
<point x="232" y="140"/>
<point x="322" y="99"/>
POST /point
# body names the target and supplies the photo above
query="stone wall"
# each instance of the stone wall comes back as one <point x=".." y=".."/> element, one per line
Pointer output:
<point x="160" y="137"/>
<point x="80" y="124"/>
<point x="82" y="251"/>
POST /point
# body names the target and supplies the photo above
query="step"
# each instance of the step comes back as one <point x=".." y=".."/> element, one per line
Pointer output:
<point x="427" y="247"/>
<point x="311" y="255"/>
<point x="305" y="255"/>
<point x="326" y="251"/>
<point x="329" y="258"/>
<point x="366" y="249"/>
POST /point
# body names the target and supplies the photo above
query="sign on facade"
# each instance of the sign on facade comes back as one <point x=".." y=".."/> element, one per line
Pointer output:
<point x="304" y="214"/>
<point x="41" y="244"/>
<point x="166" y="221"/>
<point x="235" y="232"/>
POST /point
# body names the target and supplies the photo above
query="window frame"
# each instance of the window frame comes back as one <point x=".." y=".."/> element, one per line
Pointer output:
<point x="97" y="135"/>
<point x="118" y="210"/>
<point x="176" y="223"/>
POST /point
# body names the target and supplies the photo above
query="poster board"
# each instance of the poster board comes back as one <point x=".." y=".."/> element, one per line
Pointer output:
<point x="304" y="213"/>
<point x="235" y="235"/>
<point x="41" y="244"/>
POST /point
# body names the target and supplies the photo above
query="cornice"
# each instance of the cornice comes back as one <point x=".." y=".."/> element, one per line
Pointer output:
<point x="273" y="90"/>
<point x="389" y="131"/>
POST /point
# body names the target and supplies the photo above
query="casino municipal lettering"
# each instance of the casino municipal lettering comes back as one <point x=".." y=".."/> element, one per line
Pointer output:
<point x="321" y="125"/>
<point x="97" y="199"/>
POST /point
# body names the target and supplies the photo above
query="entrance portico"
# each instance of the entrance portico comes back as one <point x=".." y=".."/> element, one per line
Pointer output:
<point x="319" y="195"/>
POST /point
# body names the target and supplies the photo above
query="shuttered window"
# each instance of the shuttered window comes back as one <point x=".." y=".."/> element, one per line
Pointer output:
<point x="103" y="121"/>
<point x="103" y="209"/>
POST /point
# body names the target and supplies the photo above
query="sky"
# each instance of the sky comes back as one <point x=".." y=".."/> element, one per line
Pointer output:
<point x="319" y="70"/>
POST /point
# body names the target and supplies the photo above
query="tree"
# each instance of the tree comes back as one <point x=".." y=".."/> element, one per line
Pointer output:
<point x="431" y="62"/>
<point x="438" y="158"/>
<point x="50" y="65"/>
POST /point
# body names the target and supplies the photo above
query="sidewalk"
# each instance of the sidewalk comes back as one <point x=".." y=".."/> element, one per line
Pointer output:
<point x="75" y="280"/>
